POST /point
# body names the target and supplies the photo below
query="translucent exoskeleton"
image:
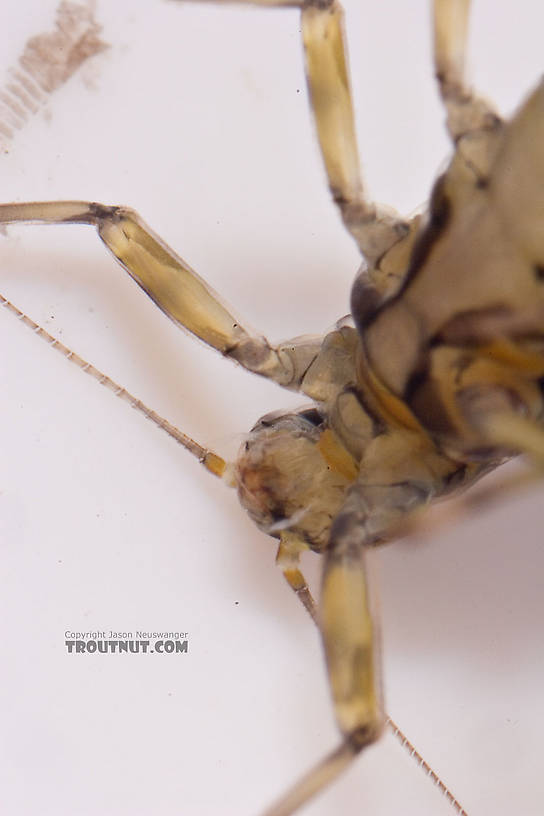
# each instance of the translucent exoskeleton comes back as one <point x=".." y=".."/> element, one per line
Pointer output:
<point x="197" y="118"/>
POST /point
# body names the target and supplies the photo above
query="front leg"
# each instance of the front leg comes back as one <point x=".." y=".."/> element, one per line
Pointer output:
<point x="176" y="289"/>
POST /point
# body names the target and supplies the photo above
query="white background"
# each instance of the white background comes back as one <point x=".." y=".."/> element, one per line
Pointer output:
<point x="197" y="116"/>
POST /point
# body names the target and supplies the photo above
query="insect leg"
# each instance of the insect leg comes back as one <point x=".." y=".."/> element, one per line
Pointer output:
<point x="211" y="461"/>
<point x="374" y="230"/>
<point x="520" y="433"/>
<point x="349" y="634"/>
<point x="329" y="86"/>
<point x="176" y="289"/>
<point x="326" y="771"/>
<point x="467" y="113"/>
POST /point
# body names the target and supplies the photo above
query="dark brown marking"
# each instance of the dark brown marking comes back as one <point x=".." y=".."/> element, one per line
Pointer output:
<point x="439" y="218"/>
<point x="474" y="326"/>
<point x="365" y="301"/>
<point x="50" y="59"/>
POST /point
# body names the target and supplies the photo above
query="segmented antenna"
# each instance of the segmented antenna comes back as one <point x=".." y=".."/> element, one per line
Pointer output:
<point x="216" y="465"/>
<point x="425" y="767"/>
<point x="211" y="461"/>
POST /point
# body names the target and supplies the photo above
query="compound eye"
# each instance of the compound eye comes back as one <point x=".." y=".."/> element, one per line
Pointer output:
<point x="312" y="416"/>
<point x="295" y="421"/>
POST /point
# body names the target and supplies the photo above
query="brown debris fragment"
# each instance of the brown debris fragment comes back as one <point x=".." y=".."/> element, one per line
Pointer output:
<point x="48" y="61"/>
